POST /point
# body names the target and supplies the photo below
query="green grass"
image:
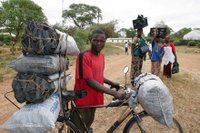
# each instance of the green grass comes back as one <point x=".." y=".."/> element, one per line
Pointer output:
<point x="110" y="49"/>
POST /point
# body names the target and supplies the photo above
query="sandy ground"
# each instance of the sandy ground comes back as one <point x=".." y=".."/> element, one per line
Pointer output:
<point x="114" y="66"/>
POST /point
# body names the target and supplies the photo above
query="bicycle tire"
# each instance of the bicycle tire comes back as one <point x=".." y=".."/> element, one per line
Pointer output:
<point x="69" y="127"/>
<point x="150" y="125"/>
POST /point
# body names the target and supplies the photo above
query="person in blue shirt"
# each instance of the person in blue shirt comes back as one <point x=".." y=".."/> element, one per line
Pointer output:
<point x="156" y="55"/>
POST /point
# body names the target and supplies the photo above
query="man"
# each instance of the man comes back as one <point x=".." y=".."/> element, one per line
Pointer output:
<point x="126" y="47"/>
<point x="137" y="57"/>
<point x="90" y="76"/>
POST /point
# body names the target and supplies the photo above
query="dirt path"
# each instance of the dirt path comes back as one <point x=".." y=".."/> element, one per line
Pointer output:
<point x="114" y="65"/>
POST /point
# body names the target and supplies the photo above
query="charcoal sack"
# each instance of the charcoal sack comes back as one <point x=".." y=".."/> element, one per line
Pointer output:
<point x="67" y="44"/>
<point x="46" y="65"/>
<point x="155" y="98"/>
<point x="33" y="88"/>
<point x="39" y="38"/>
<point x="35" y="118"/>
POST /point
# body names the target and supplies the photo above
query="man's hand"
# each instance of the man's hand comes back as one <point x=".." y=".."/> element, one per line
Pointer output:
<point x="120" y="95"/>
<point x="115" y="85"/>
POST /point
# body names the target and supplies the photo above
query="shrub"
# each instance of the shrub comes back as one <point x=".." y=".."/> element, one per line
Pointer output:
<point x="191" y="43"/>
<point x="81" y="37"/>
<point x="198" y="45"/>
<point x="5" y="39"/>
<point x="179" y="42"/>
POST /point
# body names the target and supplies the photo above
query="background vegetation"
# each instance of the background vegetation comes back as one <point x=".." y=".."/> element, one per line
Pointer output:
<point x="15" y="14"/>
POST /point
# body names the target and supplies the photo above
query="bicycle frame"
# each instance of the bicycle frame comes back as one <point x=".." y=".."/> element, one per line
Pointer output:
<point x="117" y="123"/>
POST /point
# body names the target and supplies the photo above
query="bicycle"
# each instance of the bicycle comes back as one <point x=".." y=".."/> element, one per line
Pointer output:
<point x="139" y="121"/>
<point x="135" y="124"/>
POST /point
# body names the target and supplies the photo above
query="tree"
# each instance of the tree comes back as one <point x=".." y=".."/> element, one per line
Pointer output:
<point x="82" y="15"/>
<point x="181" y="33"/>
<point x="128" y="33"/>
<point x="15" y="13"/>
<point x="108" y="28"/>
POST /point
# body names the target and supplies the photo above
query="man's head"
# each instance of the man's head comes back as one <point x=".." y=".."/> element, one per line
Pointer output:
<point x="97" y="41"/>
<point x="139" y="32"/>
<point x="157" y="39"/>
<point x="167" y="38"/>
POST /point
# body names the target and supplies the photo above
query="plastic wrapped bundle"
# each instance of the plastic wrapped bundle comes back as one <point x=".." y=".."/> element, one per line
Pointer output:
<point x="67" y="44"/>
<point x="46" y="65"/>
<point x="155" y="98"/>
<point x="35" y="118"/>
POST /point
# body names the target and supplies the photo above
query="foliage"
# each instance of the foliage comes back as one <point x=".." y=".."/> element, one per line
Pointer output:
<point x="60" y="27"/>
<point x="179" y="42"/>
<point x="81" y="37"/>
<point x="179" y="34"/>
<point x="191" y="43"/>
<point x="108" y="28"/>
<point x="198" y="45"/>
<point x="129" y="33"/>
<point x="15" y="13"/>
<point x="5" y="39"/>
<point x="82" y="15"/>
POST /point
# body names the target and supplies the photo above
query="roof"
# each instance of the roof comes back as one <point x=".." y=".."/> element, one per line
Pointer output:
<point x="193" y="35"/>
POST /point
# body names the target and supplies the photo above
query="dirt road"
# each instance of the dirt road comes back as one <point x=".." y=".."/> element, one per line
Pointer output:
<point x="114" y="64"/>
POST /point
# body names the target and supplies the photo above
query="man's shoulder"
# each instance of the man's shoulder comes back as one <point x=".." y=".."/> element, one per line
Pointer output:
<point x="171" y="43"/>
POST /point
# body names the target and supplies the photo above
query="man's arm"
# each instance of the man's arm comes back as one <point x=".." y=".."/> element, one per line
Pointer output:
<point x="99" y="87"/>
<point x="113" y="84"/>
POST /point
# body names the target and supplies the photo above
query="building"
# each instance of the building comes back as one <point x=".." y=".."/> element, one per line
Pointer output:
<point x="118" y="40"/>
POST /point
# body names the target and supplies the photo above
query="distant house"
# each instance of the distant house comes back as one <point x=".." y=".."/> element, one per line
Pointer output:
<point x="118" y="40"/>
<point x="193" y="35"/>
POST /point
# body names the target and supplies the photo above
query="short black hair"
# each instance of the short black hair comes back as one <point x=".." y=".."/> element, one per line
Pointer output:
<point x="98" y="31"/>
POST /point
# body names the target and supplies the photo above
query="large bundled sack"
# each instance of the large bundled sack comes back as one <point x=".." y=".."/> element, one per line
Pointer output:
<point x="39" y="38"/>
<point x="46" y="64"/>
<point x="66" y="44"/>
<point x="155" y="98"/>
<point x="35" y="118"/>
<point x="34" y="88"/>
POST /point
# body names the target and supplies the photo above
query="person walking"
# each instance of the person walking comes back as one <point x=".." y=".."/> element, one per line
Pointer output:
<point x="137" y="57"/>
<point x="169" y="57"/>
<point x="89" y="75"/>
<point x="126" y="45"/>
<point x="156" y="55"/>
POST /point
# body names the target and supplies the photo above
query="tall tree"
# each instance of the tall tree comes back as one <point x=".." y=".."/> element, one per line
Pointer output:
<point x="82" y="15"/>
<point x="15" y="13"/>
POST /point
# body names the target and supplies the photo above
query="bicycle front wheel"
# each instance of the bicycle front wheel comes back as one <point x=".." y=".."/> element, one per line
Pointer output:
<point x="149" y="125"/>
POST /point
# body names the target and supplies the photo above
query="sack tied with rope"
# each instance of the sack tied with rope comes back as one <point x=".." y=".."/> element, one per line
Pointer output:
<point x="39" y="38"/>
<point x="33" y="88"/>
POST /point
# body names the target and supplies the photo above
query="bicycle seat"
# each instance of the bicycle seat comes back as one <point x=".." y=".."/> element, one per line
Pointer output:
<point x="73" y="94"/>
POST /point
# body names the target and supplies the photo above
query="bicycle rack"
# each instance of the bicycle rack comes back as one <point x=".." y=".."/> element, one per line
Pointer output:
<point x="5" y="95"/>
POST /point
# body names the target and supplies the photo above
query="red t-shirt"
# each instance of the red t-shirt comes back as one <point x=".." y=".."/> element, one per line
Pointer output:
<point x="92" y="67"/>
<point x="171" y="45"/>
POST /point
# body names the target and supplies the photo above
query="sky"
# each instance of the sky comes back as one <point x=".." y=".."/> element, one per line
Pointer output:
<point x="177" y="14"/>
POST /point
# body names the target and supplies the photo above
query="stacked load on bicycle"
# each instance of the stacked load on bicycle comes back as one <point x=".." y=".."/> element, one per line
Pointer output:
<point x="154" y="97"/>
<point x="41" y="72"/>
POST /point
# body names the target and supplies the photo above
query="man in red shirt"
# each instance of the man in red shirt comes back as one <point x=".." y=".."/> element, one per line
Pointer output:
<point x="90" y="76"/>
